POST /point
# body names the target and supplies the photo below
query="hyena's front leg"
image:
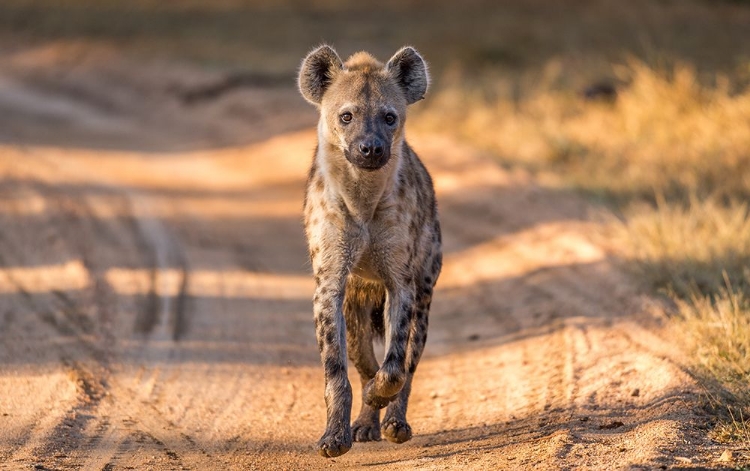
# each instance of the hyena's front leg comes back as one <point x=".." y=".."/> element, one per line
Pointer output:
<point x="395" y="428"/>
<point x="331" y="265"/>
<point x="330" y="331"/>
<point x="361" y="302"/>
<point x="391" y="376"/>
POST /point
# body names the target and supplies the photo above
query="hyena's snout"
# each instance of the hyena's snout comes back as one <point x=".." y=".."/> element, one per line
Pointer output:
<point x="372" y="147"/>
<point x="369" y="152"/>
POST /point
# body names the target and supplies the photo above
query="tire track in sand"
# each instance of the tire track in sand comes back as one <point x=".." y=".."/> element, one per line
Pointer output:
<point x="85" y="435"/>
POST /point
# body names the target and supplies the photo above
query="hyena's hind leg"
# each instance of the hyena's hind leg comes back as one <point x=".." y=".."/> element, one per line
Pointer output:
<point x="395" y="428"/>
<point x="361" y="305"/>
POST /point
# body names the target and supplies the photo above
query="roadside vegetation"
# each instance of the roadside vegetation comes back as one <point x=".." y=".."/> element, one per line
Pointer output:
<point x="668" y="150"/>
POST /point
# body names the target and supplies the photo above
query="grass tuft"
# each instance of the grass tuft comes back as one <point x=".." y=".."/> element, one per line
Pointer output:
<point x="688" y="249"/>
<point x="717" y="330"/>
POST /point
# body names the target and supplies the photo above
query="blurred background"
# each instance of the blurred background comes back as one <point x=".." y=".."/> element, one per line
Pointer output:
<point x="585" y="37"/>
<point x="599" y="88"/>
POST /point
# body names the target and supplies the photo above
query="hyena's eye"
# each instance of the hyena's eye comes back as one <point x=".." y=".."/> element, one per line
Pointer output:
<point x="390" y="119"/>
<point x="346" y="117"/>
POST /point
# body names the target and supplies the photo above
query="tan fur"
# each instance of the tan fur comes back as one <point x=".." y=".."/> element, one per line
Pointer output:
<point x="363" y="62"/>
<point x="374" y="238"/>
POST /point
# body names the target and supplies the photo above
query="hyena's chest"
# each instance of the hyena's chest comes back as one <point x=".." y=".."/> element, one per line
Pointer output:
<point x="377" y="234"/>
<point x="384" y="250"/>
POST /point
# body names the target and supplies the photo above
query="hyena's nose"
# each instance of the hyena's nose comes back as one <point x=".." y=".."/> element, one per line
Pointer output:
<point x="372" y="148"/>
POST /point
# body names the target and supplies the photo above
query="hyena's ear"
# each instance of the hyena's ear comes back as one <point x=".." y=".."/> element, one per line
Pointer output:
<point x="317" y="71"/>
<point x="410" y="72"/>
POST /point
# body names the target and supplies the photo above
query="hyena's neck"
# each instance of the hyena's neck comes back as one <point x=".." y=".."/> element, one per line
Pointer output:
<point x="361" y="191"/>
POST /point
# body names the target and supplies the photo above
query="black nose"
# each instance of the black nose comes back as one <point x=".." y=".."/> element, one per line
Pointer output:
<point x="372" y="148"/>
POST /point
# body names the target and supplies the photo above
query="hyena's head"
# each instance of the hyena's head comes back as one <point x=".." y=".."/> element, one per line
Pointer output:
<point x="362" y="102"/>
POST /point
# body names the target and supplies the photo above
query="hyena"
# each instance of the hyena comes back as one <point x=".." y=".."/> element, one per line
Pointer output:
<point x="373" y="235"/>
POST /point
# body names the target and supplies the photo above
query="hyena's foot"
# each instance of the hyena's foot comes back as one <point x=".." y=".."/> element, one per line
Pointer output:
<point x="395" y="430"/>
<point x="366" y="430"/>
<point x="335" y="442"/>
<point x="372" y="399"/>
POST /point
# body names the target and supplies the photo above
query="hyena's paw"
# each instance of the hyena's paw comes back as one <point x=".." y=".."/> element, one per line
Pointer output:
<point x="366" y="430"/>
<point x="395" y="430"/>
<point x="372" y="399"/>
<point x="335" y="442"/>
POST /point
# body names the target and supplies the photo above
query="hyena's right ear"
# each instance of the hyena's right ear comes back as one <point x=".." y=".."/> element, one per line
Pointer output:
<point x="317" y="71"/>
<point x="410" y="72"/>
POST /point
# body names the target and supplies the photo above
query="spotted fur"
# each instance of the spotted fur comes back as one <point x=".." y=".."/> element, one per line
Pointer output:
<point x="374" y="238"/>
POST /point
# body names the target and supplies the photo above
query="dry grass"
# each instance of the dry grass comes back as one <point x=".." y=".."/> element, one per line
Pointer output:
<point x="665" y="132"/>
<point x="672" y="151"/>
<point x="699" y="255"/>
<point x="716" y="331"/>
<point x="688" y="249"/>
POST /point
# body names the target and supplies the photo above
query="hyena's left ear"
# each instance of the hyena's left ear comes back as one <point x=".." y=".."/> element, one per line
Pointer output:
<point x="410" y="72"/>
<point x="317" y="72"/>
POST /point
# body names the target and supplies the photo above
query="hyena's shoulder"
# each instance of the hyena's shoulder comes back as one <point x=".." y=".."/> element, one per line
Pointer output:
<point x="416" y="177"/>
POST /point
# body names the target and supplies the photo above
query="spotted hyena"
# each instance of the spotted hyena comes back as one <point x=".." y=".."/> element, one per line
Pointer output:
<point x="374" y="238"/>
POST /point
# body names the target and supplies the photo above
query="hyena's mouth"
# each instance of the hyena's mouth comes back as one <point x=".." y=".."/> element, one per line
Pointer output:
<point x="366" y="163"/>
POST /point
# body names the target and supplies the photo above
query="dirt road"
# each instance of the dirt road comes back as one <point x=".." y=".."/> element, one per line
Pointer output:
<point x="155" y="295"/>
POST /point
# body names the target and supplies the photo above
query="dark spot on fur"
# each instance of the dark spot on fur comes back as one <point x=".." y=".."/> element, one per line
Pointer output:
<point x="411" y="180"/>
<point x="402" y="180"/>
<point x="325" y="305"/>
<point x="333" y="367"/>
<point x="398" y="341"/>
<point x="330" y="336"/>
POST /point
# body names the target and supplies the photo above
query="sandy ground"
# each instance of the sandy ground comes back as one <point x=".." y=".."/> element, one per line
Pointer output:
<point x="155" y="296"/>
